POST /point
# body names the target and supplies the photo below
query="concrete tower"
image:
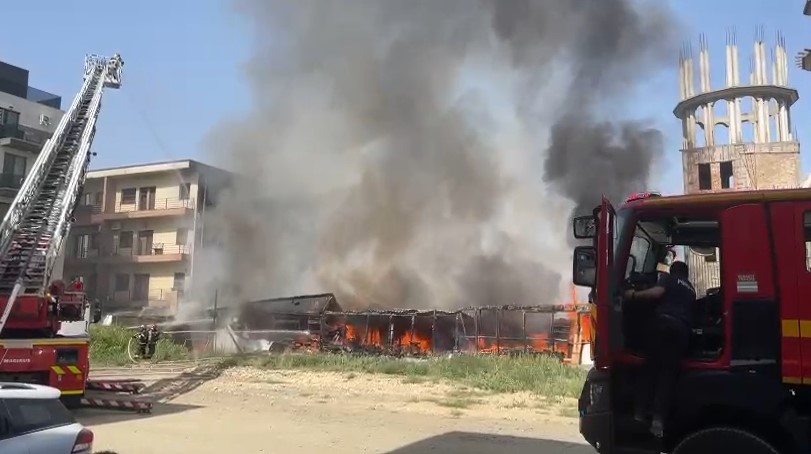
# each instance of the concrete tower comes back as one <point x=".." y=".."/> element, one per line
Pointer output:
<point x="738" y="136"/>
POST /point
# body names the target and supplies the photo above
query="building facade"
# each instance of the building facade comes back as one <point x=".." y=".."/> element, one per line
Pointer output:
<point x="136" y="230"/>
<point x="28" y="118"/>
<point x="738" y="136"/>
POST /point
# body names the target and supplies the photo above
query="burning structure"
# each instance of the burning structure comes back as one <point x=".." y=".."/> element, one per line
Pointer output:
<point x="319" y="323"/>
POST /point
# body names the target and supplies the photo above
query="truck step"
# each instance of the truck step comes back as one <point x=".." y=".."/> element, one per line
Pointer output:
<point x="118" y="404"/>
<point x="125" y="387"/>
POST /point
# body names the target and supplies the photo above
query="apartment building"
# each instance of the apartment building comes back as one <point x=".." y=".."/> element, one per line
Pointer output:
<point x="136" y="230"/>
<point x="28" y="118"/>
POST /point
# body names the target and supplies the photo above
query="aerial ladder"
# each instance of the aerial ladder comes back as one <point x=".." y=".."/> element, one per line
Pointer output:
<point x="32" y="305"/>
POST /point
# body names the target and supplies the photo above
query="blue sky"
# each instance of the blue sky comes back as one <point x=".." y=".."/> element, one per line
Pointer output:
<point x="183" y="67"/>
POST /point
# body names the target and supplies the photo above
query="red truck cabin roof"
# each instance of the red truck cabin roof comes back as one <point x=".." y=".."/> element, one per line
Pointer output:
<point x="718" y="200"/>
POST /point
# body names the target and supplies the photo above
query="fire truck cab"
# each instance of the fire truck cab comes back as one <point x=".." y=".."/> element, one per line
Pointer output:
<point x="746" y="383"/>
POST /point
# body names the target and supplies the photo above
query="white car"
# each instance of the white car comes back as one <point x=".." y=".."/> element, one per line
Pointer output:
<point x="34" y="421"/>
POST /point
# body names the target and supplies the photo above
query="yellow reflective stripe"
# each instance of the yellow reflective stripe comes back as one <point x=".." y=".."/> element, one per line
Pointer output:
<point x="796" y="328"/>
<point x="58" y="370"/>
<point x="797" y="381"/>
<point x="73" y="393"/>
<point x="74" y="370"/>
<point x="791" y="328"/>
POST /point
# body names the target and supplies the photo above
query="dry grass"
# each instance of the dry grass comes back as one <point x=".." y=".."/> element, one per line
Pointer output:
<point x="544" y="376"/>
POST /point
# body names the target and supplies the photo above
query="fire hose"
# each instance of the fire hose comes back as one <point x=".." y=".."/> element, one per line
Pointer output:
<point x="134" y="358"/>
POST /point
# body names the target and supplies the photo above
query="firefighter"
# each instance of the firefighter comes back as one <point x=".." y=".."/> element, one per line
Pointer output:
<point x="152" y="340"/>
<point x="667" y="342"/>
<point x="142" y="337"/>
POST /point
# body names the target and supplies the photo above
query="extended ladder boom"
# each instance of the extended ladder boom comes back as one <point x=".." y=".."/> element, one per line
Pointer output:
<point x="39" y="218"/>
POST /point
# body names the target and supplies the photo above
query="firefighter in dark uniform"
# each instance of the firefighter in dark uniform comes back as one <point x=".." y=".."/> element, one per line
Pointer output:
<point x="667" y="341"/>
<point x="142" y="336"/>
<point x="152" y="340"/>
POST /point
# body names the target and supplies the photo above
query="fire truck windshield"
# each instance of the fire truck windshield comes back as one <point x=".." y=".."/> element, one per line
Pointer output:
<point x="621" y="223"/>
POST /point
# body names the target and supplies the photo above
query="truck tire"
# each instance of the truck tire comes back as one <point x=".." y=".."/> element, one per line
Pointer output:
<point x="724" y="439"/>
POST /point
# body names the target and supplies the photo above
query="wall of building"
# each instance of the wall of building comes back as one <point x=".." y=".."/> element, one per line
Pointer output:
<point x="106" y="216"/>
<point x="167" y="189"/>
<point x="30" y="112"/>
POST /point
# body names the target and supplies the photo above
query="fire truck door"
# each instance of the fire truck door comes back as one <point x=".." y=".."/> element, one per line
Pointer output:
<point x="608" y="299"/>
<point x="792" y="224"/>
<point x="747" y="283"/>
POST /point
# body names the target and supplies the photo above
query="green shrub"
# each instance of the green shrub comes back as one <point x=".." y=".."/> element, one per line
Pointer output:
<point x="108" y="347"/>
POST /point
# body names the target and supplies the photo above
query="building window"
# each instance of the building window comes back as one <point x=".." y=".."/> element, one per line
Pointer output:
<point x="182" y="236"/>
<point x="14" y="165"/>
<point x="179" y="281"/>
<point x="185" y="191"/>
<point x="128" y="196"/>
<point x="727" y="177"/>
<point x="122" y="282"/>
<point x="125" y="240"/>
<point x="89" y="199"/>
<point x="704" y="177"/>
<point x="9" y="117"/>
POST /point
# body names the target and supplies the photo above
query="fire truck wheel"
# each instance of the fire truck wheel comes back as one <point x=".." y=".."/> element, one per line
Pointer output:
<point x="72" y="401"/>
<point x="724" y="439"/>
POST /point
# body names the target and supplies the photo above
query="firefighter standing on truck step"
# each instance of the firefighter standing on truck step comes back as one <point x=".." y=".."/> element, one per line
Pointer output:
<point x="667" y="342"/>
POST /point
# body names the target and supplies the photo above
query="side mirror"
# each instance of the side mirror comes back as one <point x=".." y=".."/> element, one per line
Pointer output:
<point x="584" y="227"/>
<point x="96" y="315"/>
<point x="584" y="266"/>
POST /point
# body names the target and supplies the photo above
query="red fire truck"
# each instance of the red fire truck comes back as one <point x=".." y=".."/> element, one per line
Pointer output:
<point x="35" y="308"/>
<point x="746" y="385"/>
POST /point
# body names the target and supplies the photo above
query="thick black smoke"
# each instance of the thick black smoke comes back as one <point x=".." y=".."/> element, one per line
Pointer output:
<point x="401" y="153"/>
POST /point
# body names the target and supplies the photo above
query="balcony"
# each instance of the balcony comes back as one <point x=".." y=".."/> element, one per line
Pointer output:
<point x="140" y="210"/>
<point x="11" y="181"/>
<point x="158" y="253"/>
<point x="22" y="138"/>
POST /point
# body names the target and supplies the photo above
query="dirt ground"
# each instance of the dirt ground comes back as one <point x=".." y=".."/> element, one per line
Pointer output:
<point x="251" y="411"/>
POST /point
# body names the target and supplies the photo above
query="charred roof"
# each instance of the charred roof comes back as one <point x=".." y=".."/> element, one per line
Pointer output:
<point x="297" y="305"/>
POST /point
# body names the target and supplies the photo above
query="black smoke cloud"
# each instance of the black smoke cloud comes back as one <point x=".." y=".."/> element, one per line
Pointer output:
<point x="428" y="153"/>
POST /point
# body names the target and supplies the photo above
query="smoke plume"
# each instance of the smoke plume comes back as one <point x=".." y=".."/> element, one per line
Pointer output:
<point x="428" y="153"/>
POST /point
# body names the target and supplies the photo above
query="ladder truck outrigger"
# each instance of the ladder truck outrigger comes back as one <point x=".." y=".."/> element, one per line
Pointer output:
<point x="33" y="305"/>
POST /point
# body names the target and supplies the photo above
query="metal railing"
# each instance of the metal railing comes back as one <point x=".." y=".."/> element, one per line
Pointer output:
<point x="152" y="205"/>
<point x="11" y="180"/>
<point x="19" y="132"/>
<point x="155" y="250"/>
<point x="151" y="295"/>
<point x="12" y="131"/>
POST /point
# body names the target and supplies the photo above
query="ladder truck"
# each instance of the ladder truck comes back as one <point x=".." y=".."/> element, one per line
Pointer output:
<point x="33" y="305"/>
